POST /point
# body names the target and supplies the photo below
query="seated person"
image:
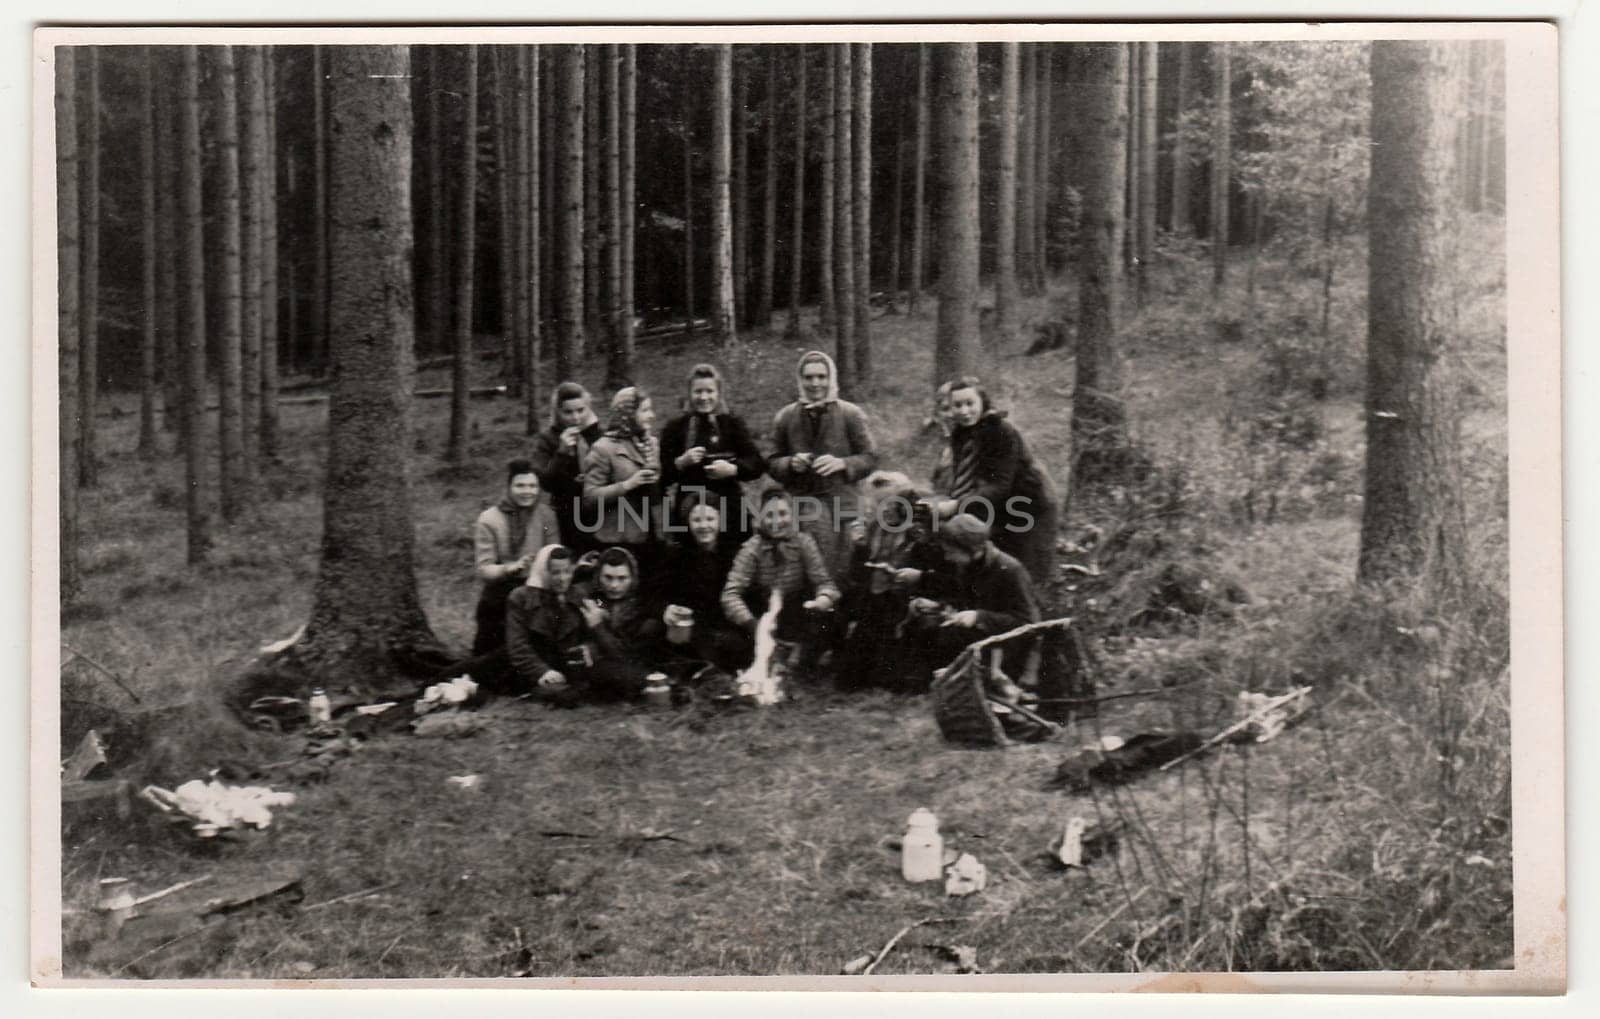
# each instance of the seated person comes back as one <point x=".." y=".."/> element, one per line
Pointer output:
<point x="505" y="540"/>
<point x="687" y="589"/>
<point x="626" y="627"/>
<point x="560" y="648"/>
<point x="896" y="535"/>
<point x="779" y="559"/>
<point x="980" y="591"/>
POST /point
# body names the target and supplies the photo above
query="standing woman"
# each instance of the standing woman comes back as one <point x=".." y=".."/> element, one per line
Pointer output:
<point x="707" y="452"/>
<point x="559" y="453"/>
<point x="622" y="480"/>
<point x="821" y="448"/>
<point x="994" y="477"/>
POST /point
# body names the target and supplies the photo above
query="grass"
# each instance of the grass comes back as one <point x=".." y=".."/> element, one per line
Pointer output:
<point x="1374" y="836"/>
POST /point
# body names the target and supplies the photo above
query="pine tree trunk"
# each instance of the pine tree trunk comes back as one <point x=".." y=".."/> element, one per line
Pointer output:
<point x="1182" y="220"/>
<point x="919" y="171"/>
<point x="1221" y="158"/>
<point x="509" y="182"/>
<point x="438" y="198"/>
<point x="252" y="171"/>
<point x="826" y="269"/>
<point x="769" y="197"/>
<point x="688" y="212"/>
<point x="741" y="199"/>
<point x="844" y="247"/>
<point x="466" y="248"/>
<point x="1131" y="190"/>
<point x="1098" y="418"/>
<point x="68" y="329"/>
<point x="1413" y="521"/>
<point x="167" y="296"/>
<point x="319" y="216"/>
<point x="1041" y="214"/>
<point x="523" y="195"/>
<point x="1006" y="293"/>
<point x="619" y="363"/>
<point x="1149" y="67"/>
<point x="862" y="81"/>
<point x="569" y="213"/>
<point x="797" y="208"/>
<point x="197" y="483"/>
<point x="531" y="289"/>
<point x="723" y="323"/>
<point x="147" y="242"/>
<point x="1027" y="142"/>
<point x="957" y="168"/>
<point x="89" y="308"/>
<point x="896" y="216"/>
<point x="236" y="494"/>
<point x="366" y="621"/>
<point x="269" y="264"/>
<point x="593" y="266"/>
<point x="629" y="87"/>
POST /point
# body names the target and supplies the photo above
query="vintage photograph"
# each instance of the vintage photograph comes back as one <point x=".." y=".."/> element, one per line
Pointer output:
<point x="852" y="505"/>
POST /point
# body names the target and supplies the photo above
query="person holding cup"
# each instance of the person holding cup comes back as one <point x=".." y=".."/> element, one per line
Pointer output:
<point x="622" y="478"/>
<point x="559" y="453"/>
<point x="505" y="539"/>
<point x="710" y="450"/>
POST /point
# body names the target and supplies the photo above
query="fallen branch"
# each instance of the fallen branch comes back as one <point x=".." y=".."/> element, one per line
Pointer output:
<point x="1147" y="692"/>
<point x="1239" y="726"/>
<point x="352" y="895"/>
<point x="902" y="932"/>
<point x="104" y="669"/>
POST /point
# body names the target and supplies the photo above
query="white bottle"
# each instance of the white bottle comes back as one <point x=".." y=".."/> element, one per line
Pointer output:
<point x="320" y="707"/>
<point x="922" y="852"/>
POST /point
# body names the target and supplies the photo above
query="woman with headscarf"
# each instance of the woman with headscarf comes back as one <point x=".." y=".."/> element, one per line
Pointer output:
<point x="822" y="447"/>
<point x="622" y="479"/>
<point x="993" y="475"/>
<point x="709" y="450"/>
<point x="505" y="540"/>
<point x="559" y="453"/>
<point x="896" y="538"/>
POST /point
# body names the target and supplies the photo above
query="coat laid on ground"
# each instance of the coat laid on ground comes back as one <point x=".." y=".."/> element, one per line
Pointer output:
<point x="503" y="534"/>
<point x="989" y="461"/>
<point x="561" y="476"/>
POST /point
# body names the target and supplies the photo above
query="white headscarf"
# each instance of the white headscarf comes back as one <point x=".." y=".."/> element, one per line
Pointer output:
<point x="833" y="378"/>
<point x="539" y="573"/>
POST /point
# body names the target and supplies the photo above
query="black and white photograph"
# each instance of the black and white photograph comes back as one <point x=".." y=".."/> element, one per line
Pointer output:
<point x="986" y="507"/>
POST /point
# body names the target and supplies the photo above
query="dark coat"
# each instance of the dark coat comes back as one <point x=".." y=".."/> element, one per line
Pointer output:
<point x="692" y="577"/>
<point x="1017" y="488"/>
<point x="561" y="476"/>
<point x="542" y="630"/>
<point x="998" y="589"/>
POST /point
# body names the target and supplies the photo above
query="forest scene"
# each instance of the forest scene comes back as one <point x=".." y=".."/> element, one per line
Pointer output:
<point x="344" y="329"/>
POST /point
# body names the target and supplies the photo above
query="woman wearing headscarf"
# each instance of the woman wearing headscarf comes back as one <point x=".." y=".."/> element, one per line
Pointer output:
<point x="505" y="540"/>
<point x="896" y="538"/>
<point x="822" y="447"/>
<point x="993" y="475"/>
<point x="559" y="453"/>
<point x="622" y="479"/>
<point x="710" y="450"/>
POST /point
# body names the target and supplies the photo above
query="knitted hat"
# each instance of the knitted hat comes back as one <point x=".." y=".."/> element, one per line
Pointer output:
<point x="964" y="531"/>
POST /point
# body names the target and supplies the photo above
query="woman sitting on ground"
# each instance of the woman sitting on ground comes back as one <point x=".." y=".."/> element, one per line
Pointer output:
<point x="505" y="540"/>
<point x="621" y="480"/>
<point x="709" y="449"/>
<point x="778" y="560"/>
<point x="686" y="591"/>
<point x="559" y="453"/>
<point x="897" y="536"/>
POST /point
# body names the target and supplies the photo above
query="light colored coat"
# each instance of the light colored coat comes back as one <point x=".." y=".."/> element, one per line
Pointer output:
<point x="491" y="539"/>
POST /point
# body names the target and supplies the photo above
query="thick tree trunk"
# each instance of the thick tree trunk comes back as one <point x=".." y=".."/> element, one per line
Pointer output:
<point x="956" y="335"/>
<point x="465" y="262"/>
<point x="723" y="324"/>
<point x="797" y="207"/>
<point x="844" y="246"/>
<point x="1149" y="66"/>
<point x="366" y="620"/>
<point x="319" y="215"/>
<point x="252" y="171"/>
<point x="1027" y="143"/>
<point x="68" y="298"/>
<point x="862" y="129"/>
<point x="236" y="475"/>
<point x="769" y="197"/>
<point x="1006" y="293"/>
<point x="1098" y="418"/>
<point x="593" y="267"/>
<point x="147" y="242"/>
<point x="89" y="308"/>
<point x="1221" y="159"/>
<point x="269" y="262"/>
<point x="629" y="87"/>
<point x="619" y="359"/>
<point x="1042" y="154"/>
<point x="197" y="483"/>
<point x="569" y="213"/>
<point x="1182" y="220"/>
<point x="827" y="271"/>
<point x="919" y="171"/>
<point x="1413" y="522"/>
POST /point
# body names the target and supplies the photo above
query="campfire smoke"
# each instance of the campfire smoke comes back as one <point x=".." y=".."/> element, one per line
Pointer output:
<point x="759" y="680"/>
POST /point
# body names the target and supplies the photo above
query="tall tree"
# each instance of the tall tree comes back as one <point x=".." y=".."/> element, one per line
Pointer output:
<point x="68" y="298"/>
<point x="1042" y="155"/>
<point x="844" y="247"/>
<point x="862" y="130"/>
<point x="723" y="323"/>
<point x="769" y="195"/>
<point x="741" y="195"/>
<point x="1148" y="70"/>
<point x="89" y="277"/>
<point x="465" y="262"/>
<point x="897" y="215"/>
<point x="510" y="182"/>
<point x="236" y="494"/>
<point x="1006" y="294"/>
<point x="826" y="268"/>
<point x="1098" y="418"/>
<point x="252" y="195"/>
<point x="438" y="199"/>
<point x="688" y="196"/>
<point x="619" y="359"/>
<point x="1182" y="221"/>
<point x="366" y="623"/>
<point x="629" y="85"/>
<point x="147" y="242"/>
<point x="1027" y="145"/>
<point x="1412" y="519"/>
<point x="568" y="293"/>
<point x="919" y="171"/>
<point x="1132" y="193"/>
<point x="797" y="206"/>
<point x="593" y="266"/>
<point x="197" y="484"/>
<point x="957" y="180"/>
<point x="269" y="263"/>
<point x="1221" y="158"/>
<point x="532" y="288"/>
<point x="167" y="295"/>
<point x="319" y="214"/>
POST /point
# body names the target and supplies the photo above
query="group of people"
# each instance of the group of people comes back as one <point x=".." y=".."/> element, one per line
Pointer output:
<point x="617" y="551"/>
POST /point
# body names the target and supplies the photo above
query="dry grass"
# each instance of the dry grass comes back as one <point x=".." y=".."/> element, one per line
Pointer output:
<point x="1374" y="836"/>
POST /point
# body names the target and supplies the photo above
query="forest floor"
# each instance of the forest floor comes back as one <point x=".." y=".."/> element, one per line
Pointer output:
<point x="1374" y="836"/>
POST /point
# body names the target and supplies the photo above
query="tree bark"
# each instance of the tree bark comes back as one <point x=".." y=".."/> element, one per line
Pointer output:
<point x="252" y="169"/>
<point x="741" y="198"/>
<point x="531" y="288"/>
<point x="167" y="295"/>
<point x="629" y="129"/>
<point x="69" y="295"/>
<point x="724" y="326"/>
<point x="236" y="494"/>
<point x="1042" y="152"/>
<point x="797" y="208"/>
<point x="688" y="205"/>
<point x="1149" y="67"/>
<point x="438" y="199"/>
<point x="197" y="487"/>
<point x="827" y="271"/>
<point x="919" y="171"/>
<point x="509" y="189"/>
<point x="619" y="361"/>
<point x="593" y="267"/>
<point x="319" y="215"/>
<point x="769" y="197"/>
<point x="1182" y="220"/>
<point x="1131" y="190"/>
<point x="269" y="262"/>
<point x="569" y="213"/>
<point x="147" y="242"/>
<point x="1098" y="418"/>
<point x="1027" y="142"/>
<point x="956" y="335"/>
<point x="465" y="262"/>
<point x="1221" y="158"/>
<point x="366" y="621"/>
<point x="1413" y="520"/>
<point x="1006" y="293"/>
<point x="897" y="216"/>
<point x="89" y="277"/>
<point x="844" y="247"/>
<point x="862" y="129"/>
